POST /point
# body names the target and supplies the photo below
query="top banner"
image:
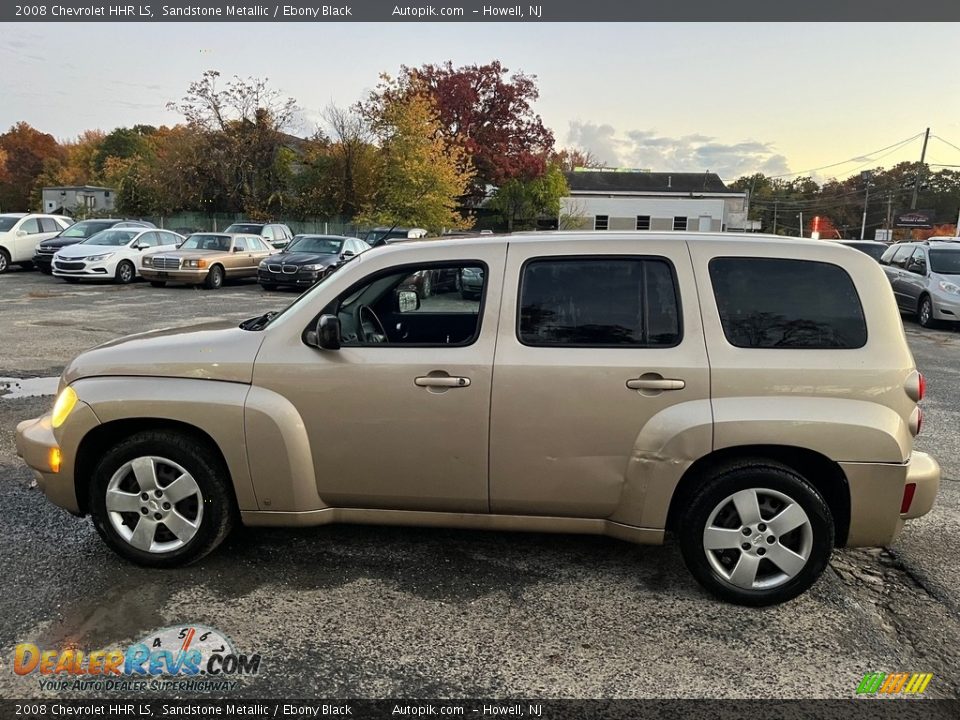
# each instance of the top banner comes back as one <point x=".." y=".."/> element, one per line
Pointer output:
<point x="861" y="12"/>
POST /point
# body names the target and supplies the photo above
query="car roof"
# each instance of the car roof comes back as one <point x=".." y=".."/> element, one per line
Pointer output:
<point x="16" y="215"/>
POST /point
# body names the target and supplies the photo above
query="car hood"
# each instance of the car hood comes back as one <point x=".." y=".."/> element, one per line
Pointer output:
<point x="78" y="250"/>
<point x="304" y="258"/>
<point x="56" y="243"/>
<point x="211" y="351"/>
<point x="192" y="254"/>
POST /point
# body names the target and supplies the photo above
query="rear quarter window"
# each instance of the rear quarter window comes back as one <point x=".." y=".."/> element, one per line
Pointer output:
<point x="787" y="304"/>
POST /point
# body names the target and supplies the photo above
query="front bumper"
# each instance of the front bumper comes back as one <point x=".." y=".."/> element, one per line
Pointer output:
<point x="300" y="278"/>
<point x="35" y="439"/>
<point x="946" y="307"/>
<point x="43" y="260"/>
<point x="80" y="268"/>
<point x="190" y="276"/>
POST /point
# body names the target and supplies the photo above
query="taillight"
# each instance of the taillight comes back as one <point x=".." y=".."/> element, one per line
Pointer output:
<point x="909" y="490"/>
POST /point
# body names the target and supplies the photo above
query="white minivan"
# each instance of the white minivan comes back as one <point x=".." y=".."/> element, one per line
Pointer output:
<point x="20" y="233"/>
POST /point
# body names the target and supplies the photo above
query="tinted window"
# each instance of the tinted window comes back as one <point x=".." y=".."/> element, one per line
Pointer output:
<point x="85" y="229"/>
<point x="254" y="228"/>
<point x="31" y="226"/>
<point x="49" y="225"/>
<point x="7" y="222"/>
<point x="945" y="262"/>
<point x="603" y="302"/>
<point x="901" y="256"/>
<point x="773" y="303"/>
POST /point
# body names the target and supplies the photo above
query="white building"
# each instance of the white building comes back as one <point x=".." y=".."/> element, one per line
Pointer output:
<point x="78" y="200"/>
<point x="639" y="200"/>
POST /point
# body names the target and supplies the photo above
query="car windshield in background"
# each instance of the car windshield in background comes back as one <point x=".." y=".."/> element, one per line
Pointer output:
<point x="374" y="237"/>
<point x="874" y="250"/>
<point x="7" y="222"/>
<point x="115" y="238"/>
<point x="945" y="262"/>
<point x="220" y="243"/>
<point x="250" y="228"/>
<point x="315" y="244"/>
<point x="85" y="229"/>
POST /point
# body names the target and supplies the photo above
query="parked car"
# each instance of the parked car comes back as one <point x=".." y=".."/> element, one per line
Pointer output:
<point x="20" y="233"/>
<point x="207" y="259"/>
<point x="925" y="277"/>
<point x="113" y="254"/>
<point x="277" y="234"/>
<point x="383" y="235"/>
<point x="753" y="395"/>
<point x="872" y="248"/>
<point x="306" y="259"/>
<point x="78" y="232"/>
<point x="433" y="281"/>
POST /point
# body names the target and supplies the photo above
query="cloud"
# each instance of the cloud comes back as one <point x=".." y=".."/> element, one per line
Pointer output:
<point x="686" y="153"/>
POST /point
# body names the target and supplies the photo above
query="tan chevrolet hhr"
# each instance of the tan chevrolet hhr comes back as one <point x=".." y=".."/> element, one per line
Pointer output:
<point x="755" y="396"/>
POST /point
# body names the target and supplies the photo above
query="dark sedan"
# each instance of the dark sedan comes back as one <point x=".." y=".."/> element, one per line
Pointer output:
<point x="43" y="256"/>
<point x="306" y="259"/>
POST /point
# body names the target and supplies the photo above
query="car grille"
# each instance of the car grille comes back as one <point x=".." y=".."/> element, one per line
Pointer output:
<point x="45" y="251"/>
<point x="60" y="265"/>
<point x="166" y="263"/>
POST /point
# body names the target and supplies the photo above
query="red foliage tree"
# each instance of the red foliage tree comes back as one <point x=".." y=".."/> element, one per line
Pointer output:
<point x="28" y="151"/>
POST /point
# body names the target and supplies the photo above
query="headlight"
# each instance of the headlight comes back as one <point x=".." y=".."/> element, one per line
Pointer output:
<point x="65" y="403"/>
<point x="96" y="258"/>
<point x="312" y="268"/>
<point x="950" y="287"/>
<point x="263" y="263"/>
<point x="147" y="260"/>
<point x="195" y="263"/>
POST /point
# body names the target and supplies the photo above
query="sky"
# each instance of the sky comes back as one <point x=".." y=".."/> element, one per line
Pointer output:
<point x="731" y="98"/>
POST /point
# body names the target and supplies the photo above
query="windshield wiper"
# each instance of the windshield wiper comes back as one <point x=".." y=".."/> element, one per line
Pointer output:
<point x="259" y="322"/>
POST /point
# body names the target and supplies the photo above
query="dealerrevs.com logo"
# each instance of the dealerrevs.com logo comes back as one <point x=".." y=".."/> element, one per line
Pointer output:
<point x="191" y="658"/>
<point x="890" y="684"/>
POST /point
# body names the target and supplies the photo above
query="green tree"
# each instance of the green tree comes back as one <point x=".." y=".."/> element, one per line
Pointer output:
<point x="522" y="202"/>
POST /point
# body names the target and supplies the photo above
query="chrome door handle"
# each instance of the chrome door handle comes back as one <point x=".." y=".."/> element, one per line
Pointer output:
<point x="656" y="384"/>
<point x="442" y="381"/>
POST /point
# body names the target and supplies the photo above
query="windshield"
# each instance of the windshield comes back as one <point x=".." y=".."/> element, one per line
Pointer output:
<point x="114" y="238"/>
<point x="875" y="251"/>
<point x="251" y="228"/>
<point x="945" y="262"/>
<point x="315" y="244"/>
<point x="377" y="236"/>
<point x="220" y="243"/>
<point x="7" y="222"/>
<point x="85" y="229"/>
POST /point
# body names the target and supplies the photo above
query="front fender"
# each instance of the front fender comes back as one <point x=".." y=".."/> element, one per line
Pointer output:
<point x="842" y="430"/>
<point x="214" y="407"/>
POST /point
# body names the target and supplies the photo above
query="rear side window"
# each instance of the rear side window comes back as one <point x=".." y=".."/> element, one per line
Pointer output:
<point x="792" y="304"/>
<point x="599" y="302"/>
<point x="901" y="256"/>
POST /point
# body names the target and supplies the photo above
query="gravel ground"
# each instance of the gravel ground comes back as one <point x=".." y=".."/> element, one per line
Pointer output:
<point x="393" y="612"/>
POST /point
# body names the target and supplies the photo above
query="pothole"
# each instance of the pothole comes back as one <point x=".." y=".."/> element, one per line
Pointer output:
<point x="15" y="388"/>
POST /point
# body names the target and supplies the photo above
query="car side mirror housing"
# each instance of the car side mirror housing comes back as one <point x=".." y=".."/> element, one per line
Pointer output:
<point x="408" y="301"/>
<point x="347" y="253"/>
<point x="327" y="334"/>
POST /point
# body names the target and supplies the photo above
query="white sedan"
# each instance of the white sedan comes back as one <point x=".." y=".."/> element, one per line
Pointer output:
<point x="112" y="254"/>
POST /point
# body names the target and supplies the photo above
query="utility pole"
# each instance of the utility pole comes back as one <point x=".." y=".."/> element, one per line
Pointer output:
<point x="775" y="203"/>
<point x="916" y="182"/>
<point x="866" y="175"/>
<point x="801" y="223"/>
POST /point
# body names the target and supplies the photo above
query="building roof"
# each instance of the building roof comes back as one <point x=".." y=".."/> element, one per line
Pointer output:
<point x="646" y="182"/>
<point x="76" y="187"/>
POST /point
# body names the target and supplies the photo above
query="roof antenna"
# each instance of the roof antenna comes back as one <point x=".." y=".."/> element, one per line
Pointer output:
<point x="669" y="181"/>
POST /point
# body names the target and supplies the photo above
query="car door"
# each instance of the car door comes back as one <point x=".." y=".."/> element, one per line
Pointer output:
<point x="238" y="263"/>
<point x="390" y="425"/>
<point x="913" y="281"/>
<point x="26" y="236"/>
<point x="259" y="250"/>
<point x="896" y="271"/>
<point x="594" y="353"/>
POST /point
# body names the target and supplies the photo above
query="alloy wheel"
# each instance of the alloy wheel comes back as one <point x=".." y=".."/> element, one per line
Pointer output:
<point x="925" y="312"/>
<point x="758" y="539"/>
<point x="154" y="504"/>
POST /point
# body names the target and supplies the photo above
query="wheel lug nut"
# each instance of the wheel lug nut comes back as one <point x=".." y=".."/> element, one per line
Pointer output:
<point x="158" y="516"/>
<point x="745" y="531"/>
<point x="143" y="510"/>
<point x="166" y="506"/>
<point x="761" y="551"/>
<point x="159" y="493"/>
<point x="771" y="539"/>
<point x="144" y="496"/>
<point x="746" y="546"/>
<point x="761" y="527"/>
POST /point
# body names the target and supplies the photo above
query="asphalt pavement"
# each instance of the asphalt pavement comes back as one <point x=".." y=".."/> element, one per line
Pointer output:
<point x="395" y="612"/>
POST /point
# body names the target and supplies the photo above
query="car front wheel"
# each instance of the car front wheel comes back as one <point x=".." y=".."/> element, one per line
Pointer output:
<point x="126" y="272"/>
<point x="214" y="278"/>
<point x="925" y="313"/>
<point x="161" y="499"/>
<point x="757" y="533"/>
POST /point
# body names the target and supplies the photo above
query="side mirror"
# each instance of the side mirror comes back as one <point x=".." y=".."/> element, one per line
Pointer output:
<point x="347" y="253"/>
<point x="328" y="332"/>
<point x="408" y="301"/>
<point x="21" y="233"/>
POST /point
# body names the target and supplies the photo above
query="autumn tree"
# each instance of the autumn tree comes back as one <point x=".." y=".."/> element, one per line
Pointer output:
<point x="422" y="178"/>
<point x="243" y="125"/>
<point x="28" y="152"/>
<point x="484" y="112"/>
<point x="569" y="159"/>
<point x="354" y="163"/>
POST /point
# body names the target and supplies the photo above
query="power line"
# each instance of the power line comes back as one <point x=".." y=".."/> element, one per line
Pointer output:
<point x="851" y="160"/>
<point x="946" y="142"/>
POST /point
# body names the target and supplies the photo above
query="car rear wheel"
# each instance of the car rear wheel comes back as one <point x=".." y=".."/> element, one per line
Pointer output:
<point x="426" y="287"/>
<point x="925" y="312"/>
<point x="125" y="273"/>
<point x="161" y="499"/>
<point x="158" y="283"/>
<point x="757" y="533"/>
<point x="214" y="278"/>
<point x="4" y="261"/>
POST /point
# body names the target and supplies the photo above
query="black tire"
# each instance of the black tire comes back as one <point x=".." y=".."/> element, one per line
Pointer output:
<point x="214" y="279"/>
<point x="4" y="261"/>
<point x="426" y="287"/>
<point x="126" y="272"/>
<point x="268" y="286"/>
<point x="27" y="265"/>
<point x="464" y="295"/>
<point x="761" y="475"/>
<point x="158" y="283"/>
<point x="46" y="270"/>
<point x="71" y="279"/>
<point x="219" y="513"/>
<point x="925" y="313"/>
